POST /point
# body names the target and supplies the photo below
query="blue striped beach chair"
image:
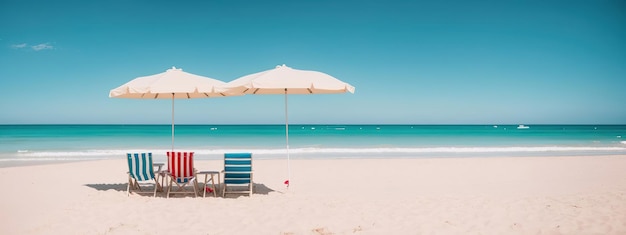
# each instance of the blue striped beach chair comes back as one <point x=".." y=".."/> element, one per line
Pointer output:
<point x="141" y="172"/>
<point x="238" y="173"/>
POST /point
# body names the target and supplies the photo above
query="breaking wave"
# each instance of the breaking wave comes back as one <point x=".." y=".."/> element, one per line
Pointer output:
<point x="28" y="155"/>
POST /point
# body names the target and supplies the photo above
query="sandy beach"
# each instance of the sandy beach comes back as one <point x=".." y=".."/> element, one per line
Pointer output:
<point x="498" y="195"/>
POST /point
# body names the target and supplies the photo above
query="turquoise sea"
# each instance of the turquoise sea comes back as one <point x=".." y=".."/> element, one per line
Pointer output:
<point x="55" y="143"/>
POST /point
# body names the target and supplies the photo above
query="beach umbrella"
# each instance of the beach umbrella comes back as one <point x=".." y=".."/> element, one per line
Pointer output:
<point x="171" y="84"/>
<point x="284" y="80"/>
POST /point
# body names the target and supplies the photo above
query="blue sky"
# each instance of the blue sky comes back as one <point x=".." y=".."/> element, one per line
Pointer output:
<point x="412" y="62"/>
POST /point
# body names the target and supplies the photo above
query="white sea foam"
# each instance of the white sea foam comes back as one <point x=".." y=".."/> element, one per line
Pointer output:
<point x="92" y="154"/>
<point x="47" y="159"/>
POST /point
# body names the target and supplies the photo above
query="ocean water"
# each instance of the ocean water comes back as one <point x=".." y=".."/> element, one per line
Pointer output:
<point x="32" y="143"/>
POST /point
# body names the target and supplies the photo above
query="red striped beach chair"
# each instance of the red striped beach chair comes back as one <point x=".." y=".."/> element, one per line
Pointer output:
<point x="181" y="173"/>
<point x="141" y="172"/>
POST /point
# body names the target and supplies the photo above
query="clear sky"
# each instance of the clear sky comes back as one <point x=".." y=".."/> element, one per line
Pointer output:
<point x="412" y="62"/>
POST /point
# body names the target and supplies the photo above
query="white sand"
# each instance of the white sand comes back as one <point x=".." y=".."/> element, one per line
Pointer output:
<point x="534" y="195"/>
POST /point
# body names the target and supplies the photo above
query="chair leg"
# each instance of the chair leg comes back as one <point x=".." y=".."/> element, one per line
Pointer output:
<point x="128" y="187"/>
<point x="205" y="183"/>
<point x="219" y="182"/>
<point x="162" y="180"/>
<point x="156" y="186"/>
<point x="214" y="188"/>
<point x="169" y="187"/>
<point x="251" y="185"/>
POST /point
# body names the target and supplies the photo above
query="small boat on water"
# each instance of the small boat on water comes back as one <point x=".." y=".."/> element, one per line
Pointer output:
<point x="522" y="127"/>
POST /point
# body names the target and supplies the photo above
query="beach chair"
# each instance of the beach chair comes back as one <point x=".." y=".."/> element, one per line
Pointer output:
<point x="237" y="173"/>
<point x="141" y="172"/>
<point x="181" y="173"/>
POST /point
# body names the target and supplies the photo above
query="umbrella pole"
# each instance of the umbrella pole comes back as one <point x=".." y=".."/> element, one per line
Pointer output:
<point x="287" y="138"/>
<point x="172" y="122"/>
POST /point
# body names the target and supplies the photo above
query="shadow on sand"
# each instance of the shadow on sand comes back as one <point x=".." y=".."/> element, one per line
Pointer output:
<point x="106" y="187"/>
<point x="259" y="189"/>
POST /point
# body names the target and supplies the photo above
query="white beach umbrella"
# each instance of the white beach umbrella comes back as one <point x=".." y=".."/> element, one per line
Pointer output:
<point x="171" y="84"/>
<point x="285" y="80"/>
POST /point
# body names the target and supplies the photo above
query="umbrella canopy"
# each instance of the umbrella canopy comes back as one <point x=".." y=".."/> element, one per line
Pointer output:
<point x="171" y="84"/>
<point x="285" y="80"/>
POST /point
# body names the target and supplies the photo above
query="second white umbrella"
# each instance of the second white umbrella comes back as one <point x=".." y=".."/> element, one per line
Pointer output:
<point x="285" y="80"/>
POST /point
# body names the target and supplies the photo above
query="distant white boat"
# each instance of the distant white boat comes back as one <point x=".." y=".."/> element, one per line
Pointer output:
<point x="522" y="127"/>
